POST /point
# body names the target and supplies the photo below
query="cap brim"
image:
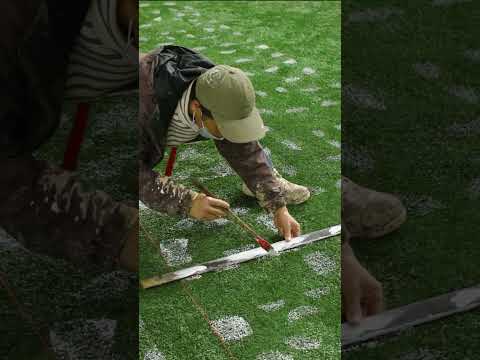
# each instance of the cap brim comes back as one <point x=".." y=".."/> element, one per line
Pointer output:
<point x="244" y="130"/>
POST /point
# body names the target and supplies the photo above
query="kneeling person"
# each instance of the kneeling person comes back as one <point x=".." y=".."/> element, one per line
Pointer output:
<point x="184" y="96"/>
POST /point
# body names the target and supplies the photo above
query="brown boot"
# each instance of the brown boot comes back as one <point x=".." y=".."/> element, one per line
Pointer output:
<point x="370" y="214"/>
<point x="294" y="194"/>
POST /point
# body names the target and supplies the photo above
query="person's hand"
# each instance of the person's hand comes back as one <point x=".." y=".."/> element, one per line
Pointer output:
<point x="286" y="224"/>
<point x="362" y="294"/>
<point x="207" y="208"/>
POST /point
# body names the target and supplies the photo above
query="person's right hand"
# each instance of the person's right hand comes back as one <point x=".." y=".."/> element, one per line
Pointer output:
<point x="207" y="208"/>
<point x="362" y="294"/>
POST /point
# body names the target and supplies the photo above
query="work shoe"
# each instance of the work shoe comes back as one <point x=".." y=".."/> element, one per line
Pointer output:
<point x="370" y="214"/>
<point x="294" y="194"/>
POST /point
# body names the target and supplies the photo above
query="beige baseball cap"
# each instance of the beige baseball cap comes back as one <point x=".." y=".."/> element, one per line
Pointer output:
<point x="228" y="94"/>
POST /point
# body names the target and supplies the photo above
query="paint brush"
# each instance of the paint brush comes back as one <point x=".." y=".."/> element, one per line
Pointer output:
<point x="264" y="244"/>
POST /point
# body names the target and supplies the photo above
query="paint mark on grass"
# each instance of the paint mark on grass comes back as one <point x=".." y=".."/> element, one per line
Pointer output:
<point x="281" y="89"/>
<point x="261" y="93"/>
<point x="267" y="221"/>
<point x="226" y="52"/>
<point x="302" y="343"/>
<point x="318" y="133"/>
<point x="83" y="339"/>
<point x="316" y="293"/>
<point x="274" y="355"/>
<point x="374" y="15"/>
<point x="427" y="70"/>
<point x="362" y="98"/>
<point x="272" y="69"/>
<point x="289" y="170"/>
<point x="296" y="110"/>
<point x="291" y="145"/>
<point x="465" y="93"/>
<point x="273" y="306"/>
<point x="222" y="170"/>
<point x="186" y="223"/>
<point x="301" y="312"/>
<point x="243" y="60"/>
<point x="240" y="211"/>
<point x="154" y="354"/>
<point x="311" y="89"/>
<point x="421" y="205"/>
<point x="328" y="103"/>
<point x="320" y="263"/>
<point x="290" y="61"/>
<point x="335" y="143"/>
<point x="466" y="129"/>
<point x="473" y="55"/>
<point x="423" y="354"/>
<point x="232" y="328"/>
<point x="262" y="47"/>
<point x="276" y="55"/>
<point x="175" y="251"/>
<point x="291" y="79"/>
<point x="308" y="71"/>
<point x="317" y="190"/>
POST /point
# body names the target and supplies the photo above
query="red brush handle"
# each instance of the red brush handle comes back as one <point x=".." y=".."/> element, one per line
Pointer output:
<point x="70" y="158"/>
<point x="171" y="162"/>
<point x="263" y="243"/>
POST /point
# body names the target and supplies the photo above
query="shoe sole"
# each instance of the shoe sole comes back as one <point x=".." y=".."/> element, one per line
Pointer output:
<point x="389" y="228"/>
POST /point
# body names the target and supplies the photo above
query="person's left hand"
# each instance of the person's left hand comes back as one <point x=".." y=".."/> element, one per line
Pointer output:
<point x="286" y="224"/>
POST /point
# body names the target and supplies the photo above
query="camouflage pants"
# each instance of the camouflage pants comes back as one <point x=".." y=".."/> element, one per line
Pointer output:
<point x="46" y="209"/>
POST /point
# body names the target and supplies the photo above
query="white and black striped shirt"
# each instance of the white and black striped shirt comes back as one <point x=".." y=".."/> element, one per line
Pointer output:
<point x="102" y="61"/>
<point x="182" y="129"/>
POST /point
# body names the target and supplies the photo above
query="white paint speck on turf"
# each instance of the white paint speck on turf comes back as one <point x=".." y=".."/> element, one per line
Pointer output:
<point x="290" y="62"/>
<point x="320" y="263"/>
<point x="328" y="103"/>
<point x="154" y="354"/>
<point x="302" y="343"/>
<point x="243" y="60"/>
<point x="316" y="293"/>
<point x="232" y="328"/>
<point x="274" y="355"/>
<point x="267" y="221"/>
<point x="318" y="133"/>
<point x="291" y="145"/>
<point x="273" y="306"/>
<point x="281" y="89"/>
<point x="262" y="47"/>
<point x="362" y="98"/>
<point x="276" y="55"/>
<point x="175" y="251"/>
<point x="291" y="79"/>
<point x="335" y="143"/>
<point x="226" y="52"/>
<point x="427" y="70"/>
<point x="302" y="312"/>
<point x="271" y="69"/>
<point x="261" y="93"/>
<point x="468" y="94"/>
<point x="296" y="110"/>
<point x="308" y="71"/>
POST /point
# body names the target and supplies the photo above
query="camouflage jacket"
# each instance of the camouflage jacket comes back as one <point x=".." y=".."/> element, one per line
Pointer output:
<point x="165" y="74"/>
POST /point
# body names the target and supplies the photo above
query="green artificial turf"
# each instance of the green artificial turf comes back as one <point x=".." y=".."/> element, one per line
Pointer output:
<point x="415" y="147"/>
<point x="58" y="296"/>
<point x="304" y="147"/>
